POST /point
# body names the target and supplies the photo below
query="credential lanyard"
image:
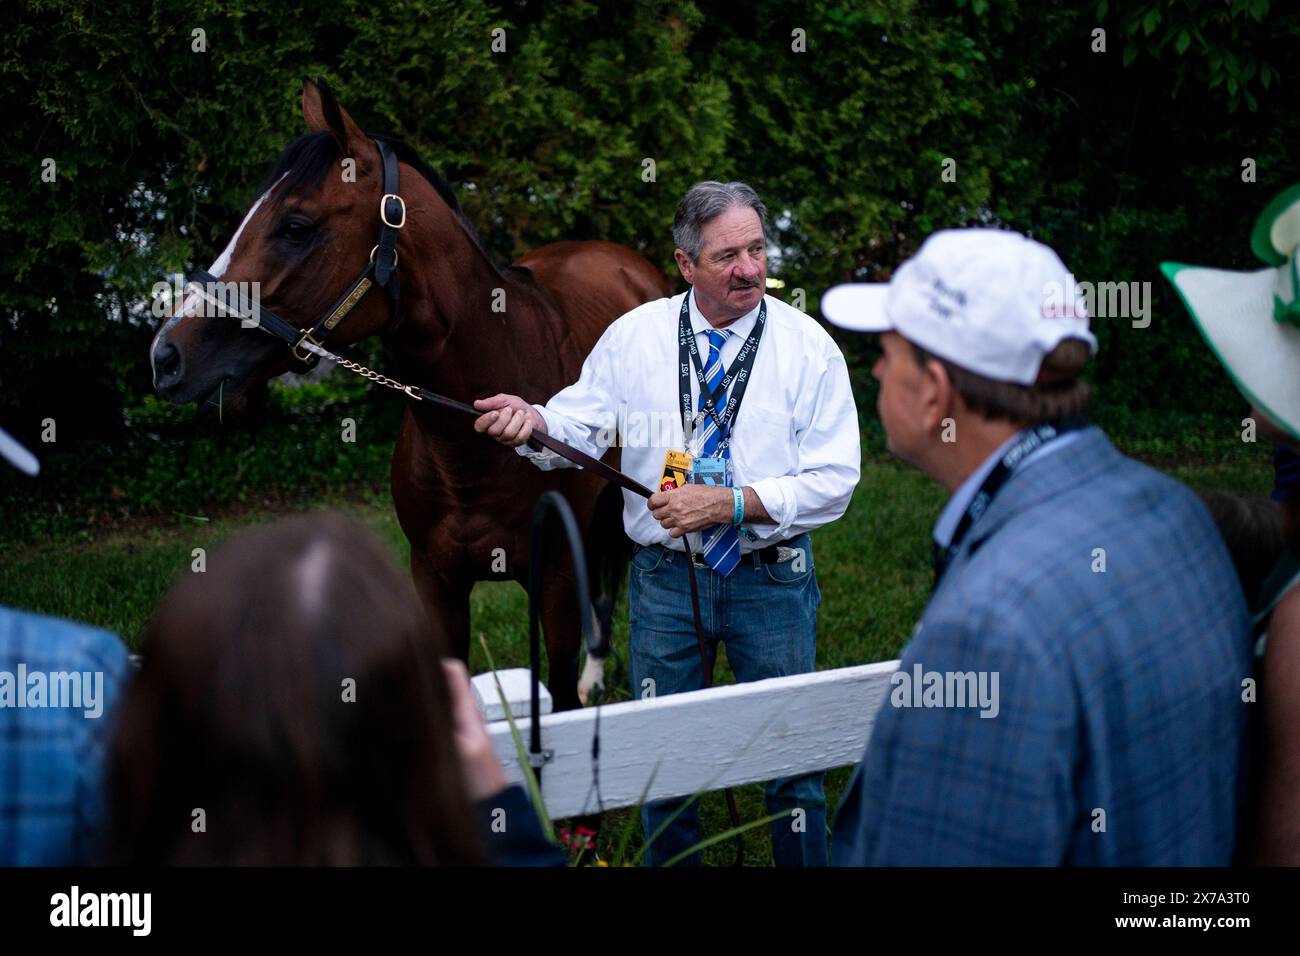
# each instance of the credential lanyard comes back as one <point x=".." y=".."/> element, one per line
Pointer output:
<point x="688" y="356"/>
<point x="1028" y="442"/>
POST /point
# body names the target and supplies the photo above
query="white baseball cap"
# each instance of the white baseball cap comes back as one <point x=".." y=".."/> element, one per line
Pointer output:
<point x="17" y="455"/>
<point x="1252" y="319"/>
<point x="991" y="301"/>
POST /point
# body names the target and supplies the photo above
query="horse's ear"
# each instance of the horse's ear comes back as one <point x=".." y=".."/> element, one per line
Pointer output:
<point x="322" y="112"/>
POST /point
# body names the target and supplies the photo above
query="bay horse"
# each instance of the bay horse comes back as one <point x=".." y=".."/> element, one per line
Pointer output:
<point x="463" y="501"/>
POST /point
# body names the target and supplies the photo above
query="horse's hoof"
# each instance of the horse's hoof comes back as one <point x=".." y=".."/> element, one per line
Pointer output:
<point x="593" y="678"/>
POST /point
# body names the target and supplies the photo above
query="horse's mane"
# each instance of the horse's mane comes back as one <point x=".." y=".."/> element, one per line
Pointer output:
<point x="306" y="160"/>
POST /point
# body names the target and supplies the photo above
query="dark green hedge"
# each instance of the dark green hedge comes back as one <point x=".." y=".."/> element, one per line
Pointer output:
<point x="1119" y="158"/>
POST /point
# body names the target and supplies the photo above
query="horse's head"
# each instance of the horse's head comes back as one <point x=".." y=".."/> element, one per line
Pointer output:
<point x="304" y="241"/>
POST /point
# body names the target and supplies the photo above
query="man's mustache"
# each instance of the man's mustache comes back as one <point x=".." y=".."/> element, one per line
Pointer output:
<point x="737" y="286"/>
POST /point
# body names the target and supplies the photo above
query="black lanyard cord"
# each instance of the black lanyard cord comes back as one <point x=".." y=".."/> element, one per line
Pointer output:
<point x="688" y="357"/>
<point x="1027" y="442"/>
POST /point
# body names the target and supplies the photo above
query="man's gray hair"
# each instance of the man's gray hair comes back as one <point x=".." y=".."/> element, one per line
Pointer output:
<point x="705" y="202"/>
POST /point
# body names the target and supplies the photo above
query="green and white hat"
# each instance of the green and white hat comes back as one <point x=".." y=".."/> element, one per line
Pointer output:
<point x="1252" y="319"/>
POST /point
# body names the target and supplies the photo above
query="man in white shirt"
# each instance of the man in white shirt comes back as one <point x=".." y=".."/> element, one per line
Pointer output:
<point x="780" y="436"/>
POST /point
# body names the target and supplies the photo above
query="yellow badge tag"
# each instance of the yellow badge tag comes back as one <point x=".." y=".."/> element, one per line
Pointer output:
<point x="677" y="469"/>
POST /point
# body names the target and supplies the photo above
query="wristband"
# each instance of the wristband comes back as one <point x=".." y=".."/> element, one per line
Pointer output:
<point x="738" y="506"/>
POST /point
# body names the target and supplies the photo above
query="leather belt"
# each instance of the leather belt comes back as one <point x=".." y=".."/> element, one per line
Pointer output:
<point x="772" y="554"/>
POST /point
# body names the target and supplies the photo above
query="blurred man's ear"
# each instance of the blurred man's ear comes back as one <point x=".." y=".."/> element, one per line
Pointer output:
<point x="938" y="399"/>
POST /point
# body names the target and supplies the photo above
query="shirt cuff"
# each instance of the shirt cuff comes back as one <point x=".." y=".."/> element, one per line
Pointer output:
<point x="544" y="459"/>
<point x="778" y="499"/>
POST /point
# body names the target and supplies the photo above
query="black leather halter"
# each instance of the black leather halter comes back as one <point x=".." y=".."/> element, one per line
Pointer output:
<point x="381" y="271"/>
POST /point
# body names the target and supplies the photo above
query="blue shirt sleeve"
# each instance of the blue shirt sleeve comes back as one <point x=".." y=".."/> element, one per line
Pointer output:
<point x="53" y="758"/>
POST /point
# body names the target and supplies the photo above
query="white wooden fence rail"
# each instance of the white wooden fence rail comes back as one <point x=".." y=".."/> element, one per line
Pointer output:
<point x="702" y="740"/>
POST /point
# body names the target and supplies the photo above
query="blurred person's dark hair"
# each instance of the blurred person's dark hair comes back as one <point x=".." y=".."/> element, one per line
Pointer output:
<point x="1059" y="392"/>
<point x="1252" y="527"/>
<point x="241" y="711"/>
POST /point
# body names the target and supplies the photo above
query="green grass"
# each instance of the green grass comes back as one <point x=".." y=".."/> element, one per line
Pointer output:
<point x="873" y="566"/>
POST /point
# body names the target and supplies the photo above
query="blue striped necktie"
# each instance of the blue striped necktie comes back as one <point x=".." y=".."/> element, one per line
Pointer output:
<point x="721" y="541"/>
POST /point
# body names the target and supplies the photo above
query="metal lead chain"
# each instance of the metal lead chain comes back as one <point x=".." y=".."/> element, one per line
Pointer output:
<point x="371" y="374"/>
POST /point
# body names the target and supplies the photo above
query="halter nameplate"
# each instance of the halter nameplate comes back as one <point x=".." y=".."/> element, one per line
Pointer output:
<point x="346" y="305"/>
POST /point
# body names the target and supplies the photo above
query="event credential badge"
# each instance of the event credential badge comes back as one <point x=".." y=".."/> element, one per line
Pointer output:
<point x="677" y="470"/>
<point x="715" y="472"/>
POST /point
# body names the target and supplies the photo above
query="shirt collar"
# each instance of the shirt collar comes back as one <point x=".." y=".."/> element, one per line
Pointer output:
<point x="741" y="327"/>
<point x="950" y="517"/>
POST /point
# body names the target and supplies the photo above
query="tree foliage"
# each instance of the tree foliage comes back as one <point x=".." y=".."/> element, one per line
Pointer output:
<point x="1118" y="158"/>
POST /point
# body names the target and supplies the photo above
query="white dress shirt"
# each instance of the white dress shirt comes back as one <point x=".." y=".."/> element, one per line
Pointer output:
<point x="795" y="437"/>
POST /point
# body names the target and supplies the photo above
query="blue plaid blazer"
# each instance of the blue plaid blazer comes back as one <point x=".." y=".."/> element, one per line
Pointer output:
<point x="1120" y="718"/>
<point x="52" y="794"/>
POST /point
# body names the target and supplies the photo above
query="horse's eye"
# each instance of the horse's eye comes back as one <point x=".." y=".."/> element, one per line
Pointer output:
<point x="297" y="230"/>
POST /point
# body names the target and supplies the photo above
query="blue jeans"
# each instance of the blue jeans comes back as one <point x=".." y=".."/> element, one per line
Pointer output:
<point x="767" y="616"/>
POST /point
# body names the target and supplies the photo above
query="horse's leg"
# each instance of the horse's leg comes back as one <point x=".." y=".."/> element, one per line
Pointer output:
<point x="561" y="629"/>
<point x="446" y="600"/>
<point x="609" y="550"/>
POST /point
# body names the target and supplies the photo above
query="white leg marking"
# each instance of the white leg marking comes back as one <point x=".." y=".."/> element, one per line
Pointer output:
<point x="593" y="676"/>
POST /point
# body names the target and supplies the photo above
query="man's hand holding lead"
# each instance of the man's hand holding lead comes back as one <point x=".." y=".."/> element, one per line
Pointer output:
<point x="691" y="507"/>
<point x="508" y="419"/>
